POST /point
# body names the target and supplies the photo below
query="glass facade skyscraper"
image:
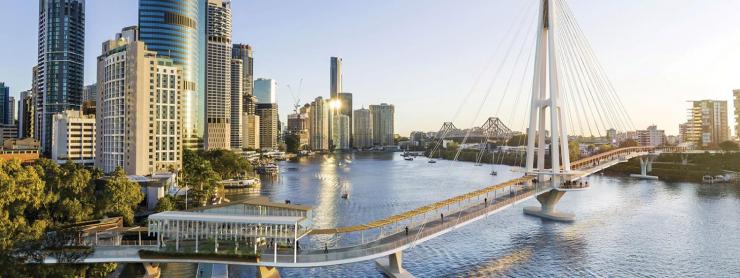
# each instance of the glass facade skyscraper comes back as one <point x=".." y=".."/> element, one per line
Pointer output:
<point x="4" y="104"/>
<point x="176" y="28"/>
<point x="61" y="53"/>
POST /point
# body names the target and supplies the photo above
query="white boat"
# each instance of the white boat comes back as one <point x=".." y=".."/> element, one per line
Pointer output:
<point x="408" y="158"/>
<point x="432" y="161"/>
<point x="494" y="173"/>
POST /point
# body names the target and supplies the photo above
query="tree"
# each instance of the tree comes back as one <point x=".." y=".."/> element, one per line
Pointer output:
<point x="628" y="143"/>
<point x="120" y="197"/>
<point x="165" y="204"/>
<point x="728" y="146"/>
<point x="517" y="140"/>
<point x="228" y="164"/>
<point x="292" y="143"/>
<point x="574" y="150"/>
<point x="199" y="176"/>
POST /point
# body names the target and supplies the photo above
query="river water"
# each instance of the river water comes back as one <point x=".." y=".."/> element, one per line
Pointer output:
<point x="624" y="227"/>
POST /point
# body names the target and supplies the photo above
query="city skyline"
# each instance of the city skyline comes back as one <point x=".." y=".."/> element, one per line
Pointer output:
<point x="396" y="70"/>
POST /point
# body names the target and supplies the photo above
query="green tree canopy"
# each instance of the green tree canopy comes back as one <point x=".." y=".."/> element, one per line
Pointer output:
<point x="292" y="143"/>
<point x="120" y="197"/>
<point x="728" y="146"/>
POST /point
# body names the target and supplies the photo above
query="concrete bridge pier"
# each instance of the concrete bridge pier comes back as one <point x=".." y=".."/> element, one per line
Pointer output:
<point x="393" y="267"/>
<point x="646" y="166"/>
<point x="548" y="200"/>
<point x="152" y="270"/>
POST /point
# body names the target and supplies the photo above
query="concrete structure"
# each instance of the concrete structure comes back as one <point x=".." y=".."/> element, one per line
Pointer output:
<point x="61" y="52"/>
<point x="8" y="132"/>
<point x="298" y="125"/>
<point x="243" y="52"/>
<point x="251" y="131"/>
<point x="139" y="113"/>
<point x="652" y="136"/>
<point x="218" y="75"/>
<point x="707" y="124"/>
<point x="363" y="128"/>
<point x="73" y="138"/>
<point x="177" y="29"/>
<point x="265" y="90"/>
<point x="383" y="124"/>
<point x="237" y="103"/>
<point x="5" y="104"/>
<point x="345" y="108"/>
<point x="90" y="92"/>
<point x="26" y="115"/>
<point x="12" y="113"/>
<point x="318" y="127"/>
<point x="268" y="125"/>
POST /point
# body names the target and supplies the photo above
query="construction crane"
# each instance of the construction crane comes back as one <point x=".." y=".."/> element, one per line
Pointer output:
<point x="296" y="96"/>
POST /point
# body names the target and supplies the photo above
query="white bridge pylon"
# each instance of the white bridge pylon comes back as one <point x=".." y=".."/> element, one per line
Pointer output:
<point x="546" y="99"/>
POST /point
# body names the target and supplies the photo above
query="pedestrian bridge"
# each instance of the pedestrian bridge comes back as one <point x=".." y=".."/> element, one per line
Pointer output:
<point x="232" y="234"/>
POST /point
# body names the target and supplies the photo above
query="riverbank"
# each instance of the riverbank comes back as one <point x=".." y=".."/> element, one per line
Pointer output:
<point x="670" y="167"/>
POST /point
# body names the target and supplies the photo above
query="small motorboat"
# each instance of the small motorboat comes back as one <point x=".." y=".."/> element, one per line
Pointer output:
<point x="408" y="158"/>
<point x="432" y="161"/>
<point x="494" y="173"/>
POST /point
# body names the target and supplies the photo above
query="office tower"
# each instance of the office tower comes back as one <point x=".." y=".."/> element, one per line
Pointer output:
<point x="335" y="77"/>
<point x="265" y="90"/>
<point x="383" y="124"/>
<point x="37" y="103"/>
<point x="268" y="125"/>
<point x="26" y="114"/>
<point x="237" y="103"/>
<point x="73" y="135"/>
<point x="250" y="131"/>
<point x="298" y="125"/>
<point x="4" y="104"/>
<point x="89" y="93"/>
<point x="736" y="94"/>
<point x="345" y="108"/>
<point x="139" y="114"/>
<point x="61" y="57"/>
<point x="341" y="130"/>
<point x="318" y="127"/>
<point x="243" y="52"/>
<point x="363" y="129"/>
<point x="218" y="75"/>
<point x="11" y="110"/>
<point x="177" y="29"/>
<point x="651" y="136"/>
<point x="707" y="123"/>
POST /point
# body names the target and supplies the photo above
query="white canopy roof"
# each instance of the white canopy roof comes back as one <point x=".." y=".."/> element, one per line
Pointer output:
<point x="222" y="218"/>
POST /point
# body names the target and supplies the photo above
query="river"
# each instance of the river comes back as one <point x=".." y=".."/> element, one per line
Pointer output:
<point x="623" y="227"/>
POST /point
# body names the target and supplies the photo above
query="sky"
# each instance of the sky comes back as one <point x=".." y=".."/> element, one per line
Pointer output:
<point x="424" y="56"/>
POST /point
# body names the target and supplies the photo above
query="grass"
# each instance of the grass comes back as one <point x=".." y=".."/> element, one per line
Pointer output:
<point x="151" y="254"/>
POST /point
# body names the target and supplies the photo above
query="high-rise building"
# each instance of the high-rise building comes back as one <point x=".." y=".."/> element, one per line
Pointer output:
<point x="250" y="131"/>
<point x="89" y="93"/>
<point x="318" y="127"/>
<point x="139" y="111"/>
<point x="73" y="135"/>
<point x="736" y="94"/>
<point x="37" y="103"/>
<point x="177" y="29"/>
<point x="383" y="124"/>
<point x="341" y="130"/>
<point x="345" y="108"/>
<point x="4" y="104"/>
<point x="218" y="75"/>
<point x="237" y="103"/>
<point x="61" y="58"/>
<point x="243" y="52"/>
<point x="363" y="129"/>
<point x="707" y="124"/>
<point x="265" y="90"/>
<point x="268" y="125"/>
<point x="26" y="114"/>
<point x="335" y="77"/>
<point x="298" y="125"/>
<point x="12" y="113"/>
<point x="652" y="136"/>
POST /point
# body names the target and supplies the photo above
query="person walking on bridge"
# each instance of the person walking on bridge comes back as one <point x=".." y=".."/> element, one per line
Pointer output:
<point x="407" y="230"/>
<point x="442" y="215"/>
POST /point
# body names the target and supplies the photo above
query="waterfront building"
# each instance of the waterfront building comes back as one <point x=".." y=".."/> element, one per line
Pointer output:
<point x="345" y="108"/>
<point x="61" y="57"/>
<point x="218" y="75"/>
<point x="265" y="89"/>
<point x="736" y="95"/>
<point x="707" y="124"/>
<point x="341" y="130"/>
<point x="383" y="124"/>
<point x="26" y="114"/>
<point x="89" y="93"/>
<point x="4" y="104"/>
<point x="237" y="103"/>
<point x="73" y="138"/>
<point x="251" y="131"/>
<point x="268" y="125"/>
<point x="139" y="114"/>
<point x="651" y="136"/>
<point x="318" y="116"/>
<point x="363" y="129"/>
<point x="243" y="52"/>
<point x="177" y="29"/>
